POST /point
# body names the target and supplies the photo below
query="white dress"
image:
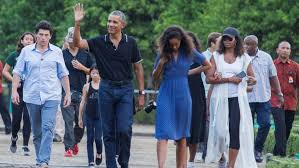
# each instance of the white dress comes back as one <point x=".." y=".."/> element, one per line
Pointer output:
<point x="218" y="141"/>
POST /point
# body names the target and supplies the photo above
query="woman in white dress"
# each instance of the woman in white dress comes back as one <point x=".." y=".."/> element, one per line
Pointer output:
<point x="231" y="134"/>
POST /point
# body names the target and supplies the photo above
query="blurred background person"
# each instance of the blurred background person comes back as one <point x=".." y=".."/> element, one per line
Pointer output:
<point x="78" y="62"/>
<point x="288" y="75"/>
<point x="197" y="93"/>
<point x="213" y="43"/>
<point x="19" y="111"/>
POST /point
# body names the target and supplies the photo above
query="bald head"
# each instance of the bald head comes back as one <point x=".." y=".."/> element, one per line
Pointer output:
<point x="250" y="44"/>
<point x="284" y="50"/>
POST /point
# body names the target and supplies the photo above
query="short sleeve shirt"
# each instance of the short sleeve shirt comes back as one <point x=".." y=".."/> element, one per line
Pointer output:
<point x="288" y="75"/>
<point x="77" y="77"/>
<point x="115" y="63"/>
<point x="263" y="68"/>
<point x="11" y="60"/>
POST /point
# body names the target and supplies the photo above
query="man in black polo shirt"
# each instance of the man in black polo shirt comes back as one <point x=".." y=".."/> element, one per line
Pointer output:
<point x="77" y="62"/>
<point x="115" y="53"/>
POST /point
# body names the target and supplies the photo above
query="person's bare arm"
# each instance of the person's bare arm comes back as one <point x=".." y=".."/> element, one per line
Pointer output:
<point x="274" y="82"/>
<point x="250" y="74"/>
<point x="159" y="69"/>
<point x="66" y="86"/>
<point x="138" y="69"/>
<point x="15" y="83"/>
<point x="6" y="72"/>
<point x="83" y="103"/>
<point x="79" y="15"/>
<point x="206" y="66"/>
<point x="77" y="65"/>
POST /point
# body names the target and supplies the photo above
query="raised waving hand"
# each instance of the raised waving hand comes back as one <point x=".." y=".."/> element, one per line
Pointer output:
<point x="78" y="12"/>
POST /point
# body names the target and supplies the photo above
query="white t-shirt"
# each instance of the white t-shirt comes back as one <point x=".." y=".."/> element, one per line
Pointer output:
<point x="230" y="70"/>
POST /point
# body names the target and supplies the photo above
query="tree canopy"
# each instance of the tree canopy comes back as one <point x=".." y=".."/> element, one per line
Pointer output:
<point x="271" y="21"/>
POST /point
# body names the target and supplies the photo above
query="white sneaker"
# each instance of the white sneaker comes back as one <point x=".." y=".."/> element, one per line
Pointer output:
<point x="190" y="165"/>
<point x="198" y="157"/>
<point x="26" y="151"/>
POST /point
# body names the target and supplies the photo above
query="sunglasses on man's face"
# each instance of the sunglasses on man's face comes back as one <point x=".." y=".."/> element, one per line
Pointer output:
<point x="227" y="38"/>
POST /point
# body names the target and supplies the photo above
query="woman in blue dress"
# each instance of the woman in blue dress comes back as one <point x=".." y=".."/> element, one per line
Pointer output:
<point x="173" y="118"/>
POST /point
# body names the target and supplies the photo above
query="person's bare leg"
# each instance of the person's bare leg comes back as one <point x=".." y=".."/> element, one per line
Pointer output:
<point x="161" y="152"/>
<point x="181" y="153"/>
<point x="233" y="153"/>
<point x="192" y="151"/>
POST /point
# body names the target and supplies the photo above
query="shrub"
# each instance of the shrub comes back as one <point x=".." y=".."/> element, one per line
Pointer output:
<point x="292" y="145"/>
<point x="277" y="162"/>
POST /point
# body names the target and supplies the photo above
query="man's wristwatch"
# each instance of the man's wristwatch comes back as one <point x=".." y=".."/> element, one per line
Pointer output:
<point x="141" y="92"/>
<point x="280" y="94"/>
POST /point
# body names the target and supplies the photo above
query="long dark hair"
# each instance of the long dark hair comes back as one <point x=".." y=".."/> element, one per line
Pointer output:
<point x="174" y="32"/>
<point x="20" y="46"/>
<point x="195" y="41"/>
<point x="239" y="50"/>
<point x="93" y="67"/>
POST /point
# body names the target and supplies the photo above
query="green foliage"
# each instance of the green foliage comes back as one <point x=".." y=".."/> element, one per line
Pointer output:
<point x="144" y="118"/>
<point x="278" y="162"/>
<point x="292" y="149"/>
<point x="272" y="21"/>
<point x="20" y="16"/>
<point x="292" y="145"/>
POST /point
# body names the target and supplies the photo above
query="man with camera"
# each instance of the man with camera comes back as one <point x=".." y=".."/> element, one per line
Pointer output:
<point x="77" y="62"/>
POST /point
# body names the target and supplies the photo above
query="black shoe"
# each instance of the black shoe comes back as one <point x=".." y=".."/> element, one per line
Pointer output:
<point x="98" y="159"/>
<point x="13" y="145"/>
<point x="7" y="131"/>
<point x="258" y="156"/>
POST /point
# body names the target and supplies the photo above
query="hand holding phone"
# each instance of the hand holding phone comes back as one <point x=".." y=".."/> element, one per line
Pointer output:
<point x="241" y="74"/>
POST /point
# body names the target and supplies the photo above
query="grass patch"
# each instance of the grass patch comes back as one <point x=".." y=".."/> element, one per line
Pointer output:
<point x="144" y="118"/>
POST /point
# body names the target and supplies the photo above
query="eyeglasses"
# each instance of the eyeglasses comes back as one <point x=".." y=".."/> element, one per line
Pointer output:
<point x="227" y="38"/>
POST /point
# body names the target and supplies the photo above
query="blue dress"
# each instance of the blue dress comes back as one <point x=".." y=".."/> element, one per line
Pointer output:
<point x="173" y="117"/>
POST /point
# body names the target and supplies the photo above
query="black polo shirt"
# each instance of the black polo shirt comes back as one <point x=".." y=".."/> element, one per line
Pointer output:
<point x="77" y="77"/>
<point x="115" y="63"/>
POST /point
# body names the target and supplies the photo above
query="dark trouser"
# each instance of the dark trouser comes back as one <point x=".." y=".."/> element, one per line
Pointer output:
<point x="116" y="108"/>
<point x="5" y="114"/>
<point x="72" y="135"/>
<point x="234" y="123"/>
<point x="289" y="119"/>
<point x="19" y="111"/>
<point x="280" y="131"/>
<point x="94" y="134"/>
<point x="263" y="119"/>
<point x="78" y="132"/>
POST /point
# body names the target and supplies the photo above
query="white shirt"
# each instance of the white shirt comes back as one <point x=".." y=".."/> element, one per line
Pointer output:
<point x="263" y="68"/>
<point x="230" y="70"/>
<point x="43" y="72"/>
